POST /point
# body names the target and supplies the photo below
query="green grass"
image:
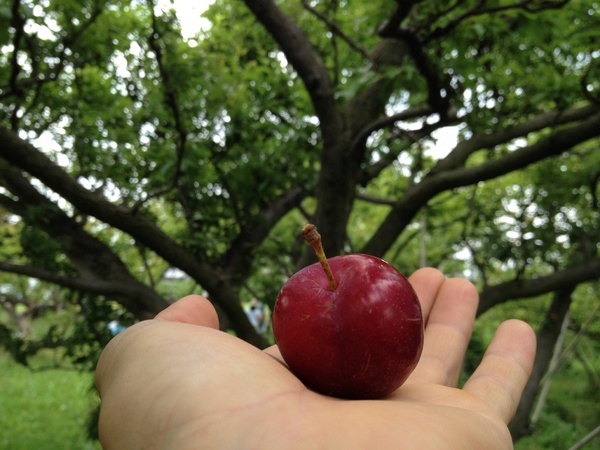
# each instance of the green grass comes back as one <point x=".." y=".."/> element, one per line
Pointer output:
<point x="44" y="409"/>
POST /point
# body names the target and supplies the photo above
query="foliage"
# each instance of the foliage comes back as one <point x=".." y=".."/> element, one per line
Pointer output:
<point x="44" y="409"/>
<point x="36" y="316"/>
<point x="570" y="411"/>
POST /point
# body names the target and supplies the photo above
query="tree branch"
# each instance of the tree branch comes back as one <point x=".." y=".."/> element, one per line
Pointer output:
<point x="438" y="181"/>
<point x="63" y="45"/>
<point x="237" y="261"/>
<point x="23" y="155"/>
<point x="106" y="287"/>
<point x="171" y="101"/>
<point x="412" y="113"/>
<point x="503" y="292"/>
<point x="18" y="24"/>
<point x="553" y="145"/>
<point x="479" y="10"/>
<point x="463" y="150"/>
<point x="304" y="58"/>
<point x="391" y="26"/>
<point x="336" y="30"/>
<point x="374" y="200"/>
<point x="546" y="342"/>
<point x="439" y="91"/>
<point x="95" y="261"/>
<point x="587" y="438"/>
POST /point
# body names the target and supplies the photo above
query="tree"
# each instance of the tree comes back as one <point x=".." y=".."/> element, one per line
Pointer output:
<point x="127" y="149"/>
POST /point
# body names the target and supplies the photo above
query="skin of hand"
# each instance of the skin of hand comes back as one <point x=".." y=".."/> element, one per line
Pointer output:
<point x="177" y="382"/>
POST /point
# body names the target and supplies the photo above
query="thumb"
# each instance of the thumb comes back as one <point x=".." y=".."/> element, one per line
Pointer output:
<point x="192" y="309"/>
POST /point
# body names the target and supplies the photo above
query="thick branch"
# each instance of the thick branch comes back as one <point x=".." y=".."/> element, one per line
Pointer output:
<point x="304" y="58"/>
<point x="391" y="26"/>
<point x="552" y="145"/>
<point x="500" y="293"/>
<point x="438" y="89"/>
<point x="123" y="292"/>
<point x="97" y="265"/>
<point x="546" y="341"/>
<point x="25" y="156"/>
<point x="463" y="150"/>
<point x="237" y="261"/>
<point x="335" y="187"/>
<point x="436" y="182"/>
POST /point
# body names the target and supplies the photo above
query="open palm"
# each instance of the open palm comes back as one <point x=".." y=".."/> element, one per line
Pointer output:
<point x="176" y="382"/>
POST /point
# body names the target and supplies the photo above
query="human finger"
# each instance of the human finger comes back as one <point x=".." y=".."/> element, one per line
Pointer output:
<point x="505" y="368"/>
<point x="426" y="282"/>
<point x="192" y="309"/>
<point x="447" y="333"/>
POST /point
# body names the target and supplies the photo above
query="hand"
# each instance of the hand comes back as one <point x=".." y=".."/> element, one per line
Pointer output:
<point x="176" y="382"/>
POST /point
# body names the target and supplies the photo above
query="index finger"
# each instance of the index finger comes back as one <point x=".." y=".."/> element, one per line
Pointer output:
<point x="447" y="333"/>
<point x="427" y="282"/>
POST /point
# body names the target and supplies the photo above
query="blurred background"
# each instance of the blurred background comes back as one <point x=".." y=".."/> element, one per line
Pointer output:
<point x="152" y="149"/>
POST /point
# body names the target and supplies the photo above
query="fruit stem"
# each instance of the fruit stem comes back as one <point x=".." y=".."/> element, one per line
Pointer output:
<point x="313" y="238"/>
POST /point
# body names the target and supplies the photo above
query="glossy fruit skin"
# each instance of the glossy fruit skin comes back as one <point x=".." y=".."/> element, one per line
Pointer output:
<point x="362" y="340"/>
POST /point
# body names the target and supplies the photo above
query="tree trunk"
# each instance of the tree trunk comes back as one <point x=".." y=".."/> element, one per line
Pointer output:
<point x="546" y="341"/>
<point x="554" y="362"/>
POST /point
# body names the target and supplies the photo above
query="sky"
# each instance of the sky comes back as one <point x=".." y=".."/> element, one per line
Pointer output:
<point x="188" y="13"/>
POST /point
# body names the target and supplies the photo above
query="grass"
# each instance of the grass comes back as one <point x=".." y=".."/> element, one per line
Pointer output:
<point x="44" y="409"/>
